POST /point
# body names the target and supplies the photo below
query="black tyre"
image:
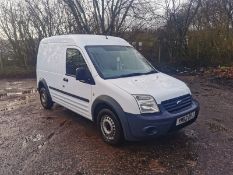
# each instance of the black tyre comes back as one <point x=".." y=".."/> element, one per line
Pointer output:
<point x="45" y="99"/>
<point x="110" y="127"/>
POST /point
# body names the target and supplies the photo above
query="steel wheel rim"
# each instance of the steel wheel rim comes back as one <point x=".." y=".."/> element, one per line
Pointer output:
<point x="43" y="98"/>
<point x="108" y="127"/>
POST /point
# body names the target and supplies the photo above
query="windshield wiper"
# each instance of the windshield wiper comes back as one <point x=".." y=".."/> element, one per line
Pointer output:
<point x="150" y="72"/>
<point x="130" y="75"/>
<point x="136" y="74"/>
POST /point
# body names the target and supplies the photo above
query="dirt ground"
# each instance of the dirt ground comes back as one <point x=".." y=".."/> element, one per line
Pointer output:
<point x="37" y="141"/>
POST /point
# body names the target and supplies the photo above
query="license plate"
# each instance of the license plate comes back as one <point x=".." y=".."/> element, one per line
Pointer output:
<point x="185" y="118"/>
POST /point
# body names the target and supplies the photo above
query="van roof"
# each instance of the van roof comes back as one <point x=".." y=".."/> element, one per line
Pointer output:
<point x="85" y="40"/>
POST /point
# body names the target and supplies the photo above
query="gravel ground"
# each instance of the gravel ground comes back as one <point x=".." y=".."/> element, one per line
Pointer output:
<point x="37" y="141"/>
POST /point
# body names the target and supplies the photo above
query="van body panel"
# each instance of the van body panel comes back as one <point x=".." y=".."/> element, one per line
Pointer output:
<point x="160" y="86"/>
<point x="126" y="100"/>
<point x="147" y="127"/>
<point x="80" y="94"/>
<point x="50" y="64"/>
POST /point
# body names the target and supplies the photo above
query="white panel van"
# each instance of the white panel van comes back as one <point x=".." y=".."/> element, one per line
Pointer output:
<point x="104" y="79"/>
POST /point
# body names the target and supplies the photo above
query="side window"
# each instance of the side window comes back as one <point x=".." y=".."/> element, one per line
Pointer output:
<point x="74" y="60"/>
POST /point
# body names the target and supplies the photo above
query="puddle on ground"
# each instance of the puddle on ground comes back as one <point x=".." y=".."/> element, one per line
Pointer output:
<point x="14" y="93"/>
<point x="15" y="104"/>
<point x="29" y="139"/>
<point x="9" y="92"/>
<point x="13" y="98"/>
<point x="216" y="126"/>
<point x="15" y="83"/>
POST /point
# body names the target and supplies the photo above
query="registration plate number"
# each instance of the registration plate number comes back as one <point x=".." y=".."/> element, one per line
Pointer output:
<point x="185" y="118"/>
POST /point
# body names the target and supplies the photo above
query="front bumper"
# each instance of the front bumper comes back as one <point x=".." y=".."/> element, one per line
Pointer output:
<point x="152" y="125"/>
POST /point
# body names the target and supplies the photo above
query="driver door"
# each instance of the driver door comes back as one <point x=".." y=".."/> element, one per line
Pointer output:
<point x="78" y="94"/>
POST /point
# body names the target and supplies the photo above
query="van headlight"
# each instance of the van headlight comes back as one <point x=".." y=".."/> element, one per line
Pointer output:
<point x="146" y="103"/>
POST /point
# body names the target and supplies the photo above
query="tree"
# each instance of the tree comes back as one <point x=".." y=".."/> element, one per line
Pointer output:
<point x="104" y="16"/>
<point x="179" y="18"/>
<point x="13" y="22"/>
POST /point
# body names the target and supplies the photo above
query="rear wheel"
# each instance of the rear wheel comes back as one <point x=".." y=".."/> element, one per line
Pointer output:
<point x="45" y="99"/>
<point x="110" y="127"/>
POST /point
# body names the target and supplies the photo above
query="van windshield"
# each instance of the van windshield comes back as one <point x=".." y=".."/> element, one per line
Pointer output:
<point x="118" y="61"/>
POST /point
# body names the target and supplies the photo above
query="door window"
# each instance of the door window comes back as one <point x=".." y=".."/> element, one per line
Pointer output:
<point x="74" y="60"/>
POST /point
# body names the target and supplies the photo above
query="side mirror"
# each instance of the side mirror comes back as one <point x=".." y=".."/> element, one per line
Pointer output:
<point x="83" y="74"/>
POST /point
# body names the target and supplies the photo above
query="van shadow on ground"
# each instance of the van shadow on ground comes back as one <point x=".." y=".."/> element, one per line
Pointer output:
<point x="176" y="152"/>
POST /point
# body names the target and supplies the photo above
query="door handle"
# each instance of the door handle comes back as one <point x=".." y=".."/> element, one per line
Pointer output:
<point x="65" y="79"/>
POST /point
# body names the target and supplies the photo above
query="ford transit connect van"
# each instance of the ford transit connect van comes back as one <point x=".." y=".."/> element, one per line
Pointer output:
<point x="104" y="79"/>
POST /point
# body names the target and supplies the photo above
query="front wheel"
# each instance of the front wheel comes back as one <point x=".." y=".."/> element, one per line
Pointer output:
<point x="45" y="98"/>
<point x="110" y="127"/>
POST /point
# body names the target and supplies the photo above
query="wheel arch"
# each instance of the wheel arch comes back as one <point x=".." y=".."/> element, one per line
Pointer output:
<point x="42" y="83"/>
<point x="107" y="101"/>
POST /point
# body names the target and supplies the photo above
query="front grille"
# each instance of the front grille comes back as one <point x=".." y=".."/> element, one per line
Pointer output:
<point x="177" y="104"/>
